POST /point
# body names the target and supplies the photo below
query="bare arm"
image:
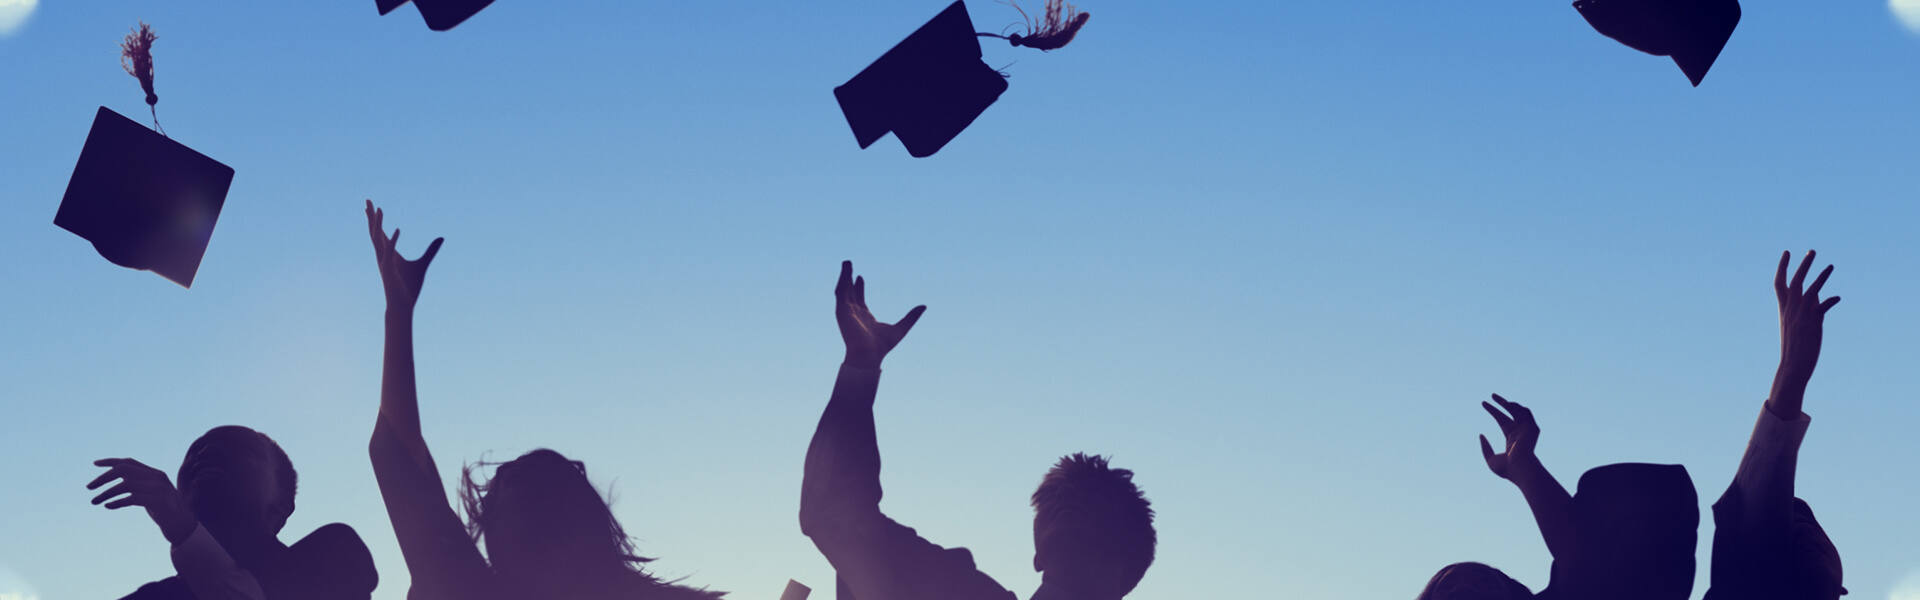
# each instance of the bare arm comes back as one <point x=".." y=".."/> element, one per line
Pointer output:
<point x="1551" y="504"/>
<point x="1802" y="324"/>
<point x="399" y="400"/>
<point x="442" y="559"/>
<point x="840" y="493"/>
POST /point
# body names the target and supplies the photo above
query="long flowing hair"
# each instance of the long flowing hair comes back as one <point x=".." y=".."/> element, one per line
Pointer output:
<point x="567" y="490"/>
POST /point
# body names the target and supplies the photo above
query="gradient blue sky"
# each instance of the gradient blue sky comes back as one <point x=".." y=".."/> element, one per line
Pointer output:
<point x="1270" y="255"/>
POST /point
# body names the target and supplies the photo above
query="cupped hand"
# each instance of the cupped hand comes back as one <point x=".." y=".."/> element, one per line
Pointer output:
<point x="868" y="340"/>
<point x="149" y="488"/>
<point x="401" y="277"/>
<point x="1522" y="434"/>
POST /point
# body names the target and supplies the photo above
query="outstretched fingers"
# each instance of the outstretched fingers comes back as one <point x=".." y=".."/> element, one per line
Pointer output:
<point x="1813" y="291"/>
<point x="846" y="280"/>
<point x="375" y="231"/>
<point x="1800" y="274"/>
<point x="1780" y="275"/>
<point x="111" y="474"/>
<point x="1506" y="423"/>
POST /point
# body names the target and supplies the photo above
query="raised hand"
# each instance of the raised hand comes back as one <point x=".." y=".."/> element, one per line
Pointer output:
<point x="148" y="488"/>
<point x="1522" y="434"/>
<point x="1802" y="319"/>
<point x="401" y="277"/>
<point x="868" y="340"/>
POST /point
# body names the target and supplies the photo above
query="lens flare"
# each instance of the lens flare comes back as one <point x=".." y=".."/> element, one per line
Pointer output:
<point x="14" y="13"/>
<point x="1908" y="12"/>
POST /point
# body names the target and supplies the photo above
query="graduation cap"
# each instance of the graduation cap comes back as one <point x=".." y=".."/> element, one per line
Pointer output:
<point x="441" y="15"/>
<point x="1691" y="31"/>
<point x="926" y="89"/>
<point x="1638" y="526"/>
<point x="145" y="201"/>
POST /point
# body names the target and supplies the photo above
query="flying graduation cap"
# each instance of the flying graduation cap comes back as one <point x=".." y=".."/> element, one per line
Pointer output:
<point x="441" y="15"/>
<point x="933" y="84"/>
<point x="144" y="201"/>
<point x="1690" y="31"/>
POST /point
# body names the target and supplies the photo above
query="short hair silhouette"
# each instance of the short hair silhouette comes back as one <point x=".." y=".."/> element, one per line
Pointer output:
<point x="541" y="507"/>
<point x="1473" y="581"/>
<point x="286" y="480"/>
<point x="1083" y="506"/>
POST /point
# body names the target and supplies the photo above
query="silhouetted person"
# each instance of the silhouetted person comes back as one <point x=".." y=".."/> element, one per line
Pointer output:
<point x="1766" y="543"/>
<point x="548" y="532"/>
<point x="223" y="522"/>
<point x="1630" y="532"/>
<point x="1092" y="528"/>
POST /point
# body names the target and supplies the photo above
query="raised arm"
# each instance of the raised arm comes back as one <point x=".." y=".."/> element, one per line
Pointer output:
<point x="1802" y="320"/>
<point x="840" y="494"/>
<point x="1767" y="468"/>
<point x="442" y="559"/>
<point x="399" y="402"/>
<point x="1551" y="504"/>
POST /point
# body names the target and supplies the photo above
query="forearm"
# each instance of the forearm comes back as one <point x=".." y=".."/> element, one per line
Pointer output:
<point x="1789" y="390"/>
<point x="399" y="399"/>
<point x="397" y="429"/>
<point x="210" y="571"/>
<point x="1552" y="506"/>
<point x="843" y="460"/>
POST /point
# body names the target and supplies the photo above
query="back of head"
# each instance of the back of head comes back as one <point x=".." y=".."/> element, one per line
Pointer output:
<point x="233" y="476"/>
<point x="1473" y="581"/>
<point x="1092" y="527"/>
<point x="1639" y="528"/>
<point x="548" y="532"/>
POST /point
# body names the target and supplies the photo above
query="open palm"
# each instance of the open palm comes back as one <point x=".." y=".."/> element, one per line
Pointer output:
<point x="868" y="340"/>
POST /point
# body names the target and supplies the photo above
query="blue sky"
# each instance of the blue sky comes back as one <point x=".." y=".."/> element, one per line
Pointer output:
<point x="1268" y="255"/>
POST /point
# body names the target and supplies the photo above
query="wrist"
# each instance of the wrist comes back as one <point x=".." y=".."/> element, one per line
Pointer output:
<point x="861" y="360"/>
<point x="179" y="529"/>
<point x="1525" y="471"/>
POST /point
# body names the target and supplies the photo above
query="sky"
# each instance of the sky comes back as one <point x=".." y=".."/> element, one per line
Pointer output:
<point x="1268" y="255"/>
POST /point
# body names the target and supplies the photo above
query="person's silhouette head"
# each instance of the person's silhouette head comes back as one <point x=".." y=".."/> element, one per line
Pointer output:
<point x="238" y="481"/>
<point x="1473" y="581"/>
<point x="548" y="531"/>
<point x="1092" y="528"/>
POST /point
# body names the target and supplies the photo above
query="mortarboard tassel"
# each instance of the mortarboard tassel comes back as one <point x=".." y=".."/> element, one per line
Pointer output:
<point x="136" y="56"/>
<point x="1053" y="31"/>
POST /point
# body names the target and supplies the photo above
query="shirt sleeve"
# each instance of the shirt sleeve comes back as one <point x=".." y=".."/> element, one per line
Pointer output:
<point x="1766" y="473"/>
<point x="210" y="572"/>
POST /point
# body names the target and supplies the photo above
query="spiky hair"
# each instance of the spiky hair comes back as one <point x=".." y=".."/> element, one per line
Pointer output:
<point x="1121" y="511"/>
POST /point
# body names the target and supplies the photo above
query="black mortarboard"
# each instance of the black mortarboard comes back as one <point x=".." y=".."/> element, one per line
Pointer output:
<point x="441" y="15"/>
<point x="145" y="201"/>
<point x="926" y="89"/>
<point x="1691" y="31"/>
<point x="1638" y="526"/>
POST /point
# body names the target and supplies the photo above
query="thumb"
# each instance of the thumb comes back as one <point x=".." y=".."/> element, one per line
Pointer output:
<point x="1486" y="450"/>
<point x="913" y="316"/>
<point x="432" y="249"/>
